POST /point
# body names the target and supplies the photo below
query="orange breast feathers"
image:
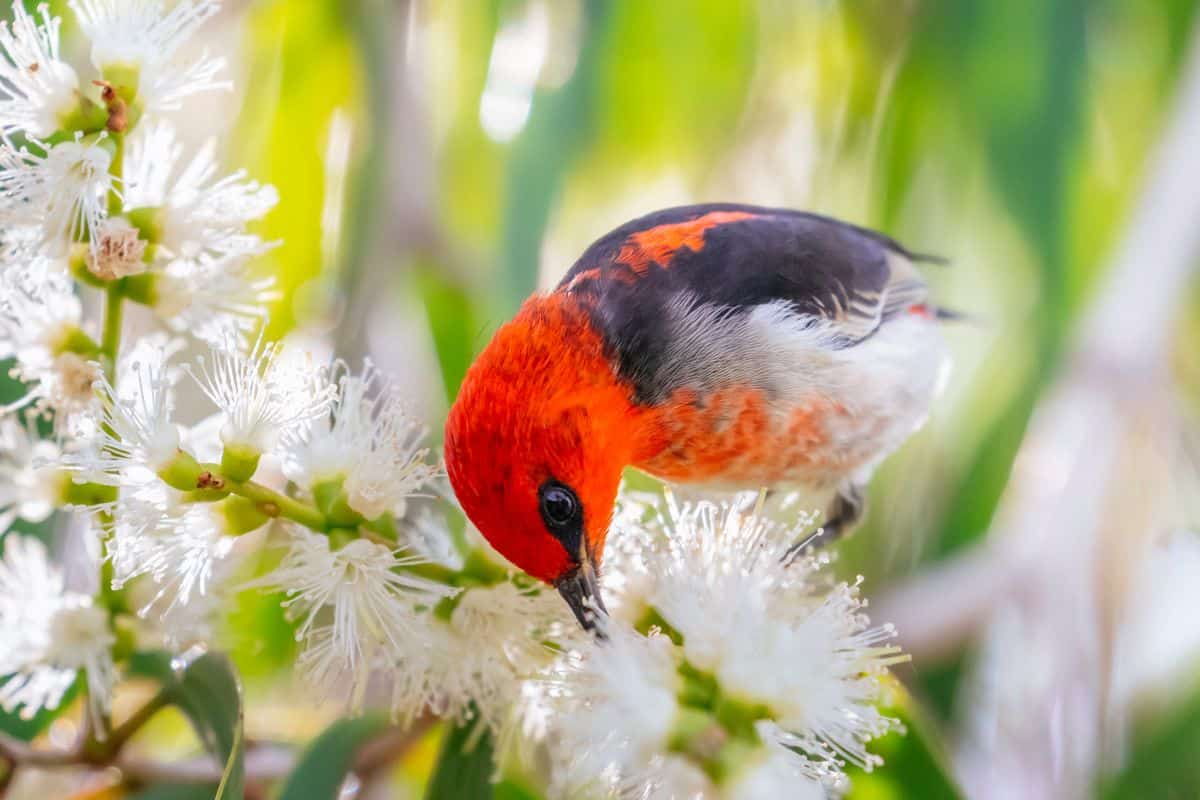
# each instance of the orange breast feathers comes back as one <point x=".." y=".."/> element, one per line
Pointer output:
<point x="738" y="436"/>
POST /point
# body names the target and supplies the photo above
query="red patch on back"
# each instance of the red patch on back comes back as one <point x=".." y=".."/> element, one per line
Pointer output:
<point x="658" y="245"/>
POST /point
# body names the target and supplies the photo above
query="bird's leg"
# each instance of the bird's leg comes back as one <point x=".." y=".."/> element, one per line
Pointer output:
<point x="847" y="508"/>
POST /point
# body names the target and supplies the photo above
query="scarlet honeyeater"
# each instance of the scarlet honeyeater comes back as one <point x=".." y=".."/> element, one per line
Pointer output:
<point x="721" y="344"/>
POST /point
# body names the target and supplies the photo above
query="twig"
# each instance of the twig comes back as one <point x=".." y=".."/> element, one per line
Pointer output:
<point x="90" y="751"/>
<point x="265" y="763"/>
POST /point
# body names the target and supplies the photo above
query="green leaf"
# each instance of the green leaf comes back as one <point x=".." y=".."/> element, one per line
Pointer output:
<point x="509" y="790"/>
<point x="324" y="765"/>
<point x="28" y="729"/>
<point x="465" y="767"/>
<point x="915" y="763"/>
<point x="206" y="690"/>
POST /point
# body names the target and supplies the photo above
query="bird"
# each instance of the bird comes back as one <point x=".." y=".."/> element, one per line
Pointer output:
<point x="720" y="345"/>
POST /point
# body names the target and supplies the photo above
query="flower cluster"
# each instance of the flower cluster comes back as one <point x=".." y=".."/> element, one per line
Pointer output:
<point x="731" y="670"/>
<point x="727" y="671"/>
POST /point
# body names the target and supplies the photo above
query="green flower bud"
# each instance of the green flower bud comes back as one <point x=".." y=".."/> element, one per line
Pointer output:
<point x="239" y="462"/>
<point x="331" y="500"/>
<point x="185" y="473"/>
<point x="242" y="515"/>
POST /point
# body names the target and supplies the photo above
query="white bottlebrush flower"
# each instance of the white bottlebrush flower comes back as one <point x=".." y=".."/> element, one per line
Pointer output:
<point x="369" y="441"/>
<point x="48" y="634"/>
<point x="197" y="213"/>
<point x="145" y="36"/>
<point x="30" y="482"/>
<point x="263" y="392"/>
<point x="475" y="660"/>
<point x="37" y="89"/>
<point x="62" y="188"/>
<point x="617" y="706"/>
<point x="178" y="546"/>
<point x="214" y="300"/>
<point x="773" y="776"/>
<point x="39" y="313"/>
<point x="353" y="603"/>
<point x="135" y="435"/>
<point x="782" y="636"/>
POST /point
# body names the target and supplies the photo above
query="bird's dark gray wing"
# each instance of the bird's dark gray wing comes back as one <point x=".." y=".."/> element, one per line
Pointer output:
<point x="738" y="257"/>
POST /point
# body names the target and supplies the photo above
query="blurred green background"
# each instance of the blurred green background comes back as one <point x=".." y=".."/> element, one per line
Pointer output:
<point x="438" y="160"/>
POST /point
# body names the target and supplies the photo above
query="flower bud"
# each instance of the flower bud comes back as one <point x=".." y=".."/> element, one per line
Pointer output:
<point x="239" y="462"/>
<point x="182" y="472"/>
<point x="331" y="499"/>
<point x="242" y="515"/>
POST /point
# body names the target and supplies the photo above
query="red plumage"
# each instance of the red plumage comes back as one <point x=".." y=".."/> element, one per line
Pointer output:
<point x="718" y="344"/>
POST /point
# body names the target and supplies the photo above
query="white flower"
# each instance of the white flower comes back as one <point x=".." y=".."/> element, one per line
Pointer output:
<point x="369" y="440"/>
<point x="476" y="660"/>
<point x="198" y="214"/>
<point x="775" y="776"/>
<point x="214" y="300"/>
<point x="780" y="636"/>
<point x="618" y="706"/>
<point x="36" y="88"/>
<point x="145" y="36"/>
<point x="48" y="634"/>
<point x="61" y="188"/>
<point x="135" y="435"/>
<point x="263" y="393"/>
<point x="353" y="603"/>
<point x="178" y="546"/>
<point x="30" y="484"/>
<point x="39" y="313"/>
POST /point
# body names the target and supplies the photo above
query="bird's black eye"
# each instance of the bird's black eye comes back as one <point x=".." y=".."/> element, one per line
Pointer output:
<point x="559" y="505"/>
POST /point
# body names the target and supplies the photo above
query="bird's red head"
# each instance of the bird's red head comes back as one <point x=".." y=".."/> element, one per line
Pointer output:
<point x="535" y="446"/>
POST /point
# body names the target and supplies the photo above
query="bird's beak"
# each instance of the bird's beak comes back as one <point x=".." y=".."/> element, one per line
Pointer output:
<point x="581" y="589"/>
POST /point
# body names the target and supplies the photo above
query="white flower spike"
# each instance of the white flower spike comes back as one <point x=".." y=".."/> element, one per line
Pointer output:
<point x="62" y="189"/>
<point x="48" y="634"/>
<point x="475" y="660"/>
<point x="30" y="484"/>
<point x="766" y="656"/>
<point x="37" y="89"/>
<point x="215" y="300"/>
<point x="618" y="707"/>
<point x="143" y="36"/>
<point x="354" y="602"/>
<point x="262" y="393"/>
<point x="369" y="441"/>
<point x="136" y="435"/>
<point x="198" y="213"/>
<point x="178" y="546"/>
<point x="39" y="316"/>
